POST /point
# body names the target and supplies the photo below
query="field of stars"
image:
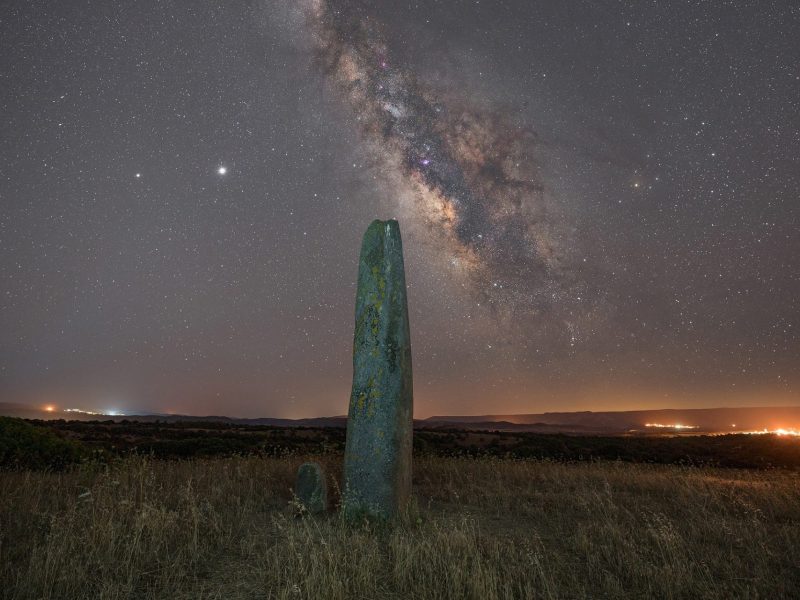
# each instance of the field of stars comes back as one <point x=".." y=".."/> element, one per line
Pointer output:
<point x="599" y="202"/>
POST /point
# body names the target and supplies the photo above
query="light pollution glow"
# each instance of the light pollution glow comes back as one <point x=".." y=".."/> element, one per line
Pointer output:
<point x="780" y="432"/>
<point x="52" y="408"/>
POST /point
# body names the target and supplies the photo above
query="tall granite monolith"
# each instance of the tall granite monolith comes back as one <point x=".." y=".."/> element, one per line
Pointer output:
<point x="377" y="463"/>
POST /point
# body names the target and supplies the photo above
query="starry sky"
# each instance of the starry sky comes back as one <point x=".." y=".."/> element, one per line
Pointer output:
<point x="599" y="201"/>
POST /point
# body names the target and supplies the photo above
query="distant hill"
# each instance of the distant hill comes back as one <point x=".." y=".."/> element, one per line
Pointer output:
<point x="693" y="420"/>
<point x="24" y="411"/>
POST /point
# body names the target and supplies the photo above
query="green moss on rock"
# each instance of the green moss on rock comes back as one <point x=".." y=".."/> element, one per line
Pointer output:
<point x="377" y="468"/>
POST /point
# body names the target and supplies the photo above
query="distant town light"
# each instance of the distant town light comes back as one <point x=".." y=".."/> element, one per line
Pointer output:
<point x="780" y="431"/>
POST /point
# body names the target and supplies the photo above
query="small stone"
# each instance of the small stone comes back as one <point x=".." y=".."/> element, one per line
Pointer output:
<point x="311" y="488"/>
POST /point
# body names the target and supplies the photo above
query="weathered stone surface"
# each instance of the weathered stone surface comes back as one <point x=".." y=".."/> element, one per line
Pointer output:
<point x="311" y="488"/>
<point x="377" y="468"/>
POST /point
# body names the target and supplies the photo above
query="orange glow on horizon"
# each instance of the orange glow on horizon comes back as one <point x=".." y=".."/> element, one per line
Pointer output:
<point x="783" y="432"/>
<point x="675" y="426"/>
<point x="50" y="408"/>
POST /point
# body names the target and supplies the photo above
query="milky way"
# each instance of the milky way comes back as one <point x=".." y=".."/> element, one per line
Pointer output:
<point x="598" y="201"/>
<point x="472" y="171"/>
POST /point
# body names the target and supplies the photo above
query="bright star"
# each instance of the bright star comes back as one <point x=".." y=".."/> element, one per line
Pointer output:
<point x="222" y="170"/>
<point x="138" y="175"/>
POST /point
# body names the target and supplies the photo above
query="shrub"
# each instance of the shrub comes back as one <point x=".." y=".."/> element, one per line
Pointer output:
<point x="26" y="446"/>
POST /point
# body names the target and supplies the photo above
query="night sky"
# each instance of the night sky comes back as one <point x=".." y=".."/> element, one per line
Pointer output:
<point x="599" y="201"/>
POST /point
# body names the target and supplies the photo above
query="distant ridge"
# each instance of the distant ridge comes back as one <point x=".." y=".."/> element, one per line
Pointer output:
<point x="699" y="419"/>
<point x="24" y="411"/>
<point x="695" y="420"/>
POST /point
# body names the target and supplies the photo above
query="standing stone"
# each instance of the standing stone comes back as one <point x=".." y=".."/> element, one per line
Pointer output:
<point x="377" y="461"/>
<point x="311" y="489"/>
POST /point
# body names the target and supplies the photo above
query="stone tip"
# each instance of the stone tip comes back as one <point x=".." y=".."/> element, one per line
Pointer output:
<point x="390" y="225"/>
<point x="381" y="234"/>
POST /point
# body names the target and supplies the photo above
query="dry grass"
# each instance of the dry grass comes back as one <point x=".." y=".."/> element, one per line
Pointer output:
<point x="480" y="529"/>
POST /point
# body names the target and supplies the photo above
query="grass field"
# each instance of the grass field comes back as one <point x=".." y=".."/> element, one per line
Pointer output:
<point x="480" y="528"/>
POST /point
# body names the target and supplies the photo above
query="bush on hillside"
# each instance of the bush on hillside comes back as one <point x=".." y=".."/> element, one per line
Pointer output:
<point x="26" y="446"/>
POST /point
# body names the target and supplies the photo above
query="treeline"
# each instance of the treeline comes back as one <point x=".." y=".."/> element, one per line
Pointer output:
<point x="56" y="444"/>
<point x="170" y="440"/>
<point x="735" y="450"/>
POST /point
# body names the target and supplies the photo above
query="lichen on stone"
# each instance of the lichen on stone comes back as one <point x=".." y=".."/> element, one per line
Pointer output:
<point x="380" y="415"/>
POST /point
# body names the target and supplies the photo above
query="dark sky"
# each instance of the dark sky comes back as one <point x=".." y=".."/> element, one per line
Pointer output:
<point x="599" y="201"/>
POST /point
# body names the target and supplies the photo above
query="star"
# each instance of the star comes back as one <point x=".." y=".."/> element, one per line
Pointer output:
<point x="222" y="170"/>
